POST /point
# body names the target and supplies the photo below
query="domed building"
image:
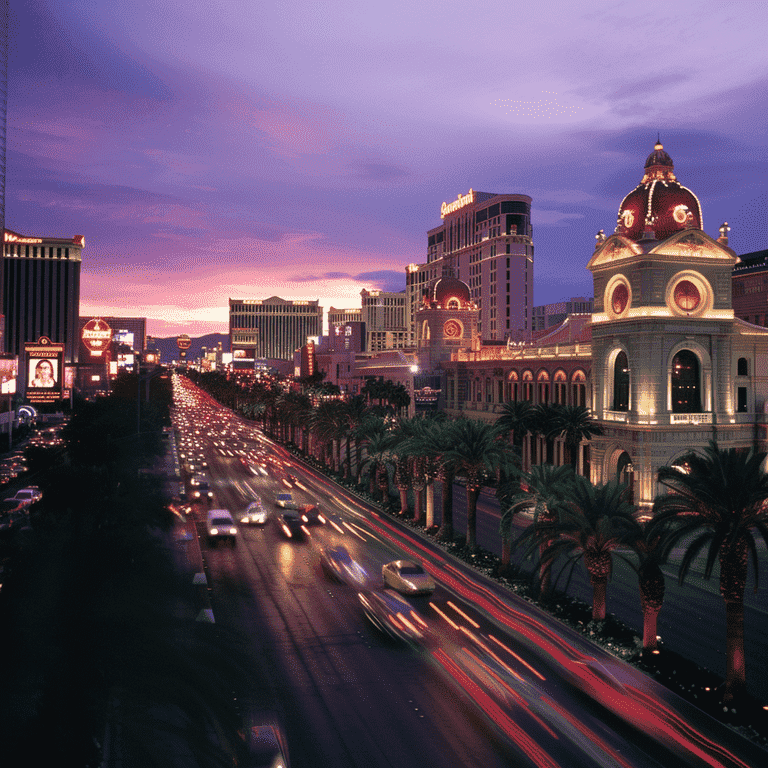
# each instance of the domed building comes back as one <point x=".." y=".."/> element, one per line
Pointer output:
<point x="662" y="363"/>
<point x="659" y="206"/>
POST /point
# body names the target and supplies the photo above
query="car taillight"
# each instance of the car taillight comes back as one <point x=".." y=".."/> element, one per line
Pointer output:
<point x="287" y="531"/>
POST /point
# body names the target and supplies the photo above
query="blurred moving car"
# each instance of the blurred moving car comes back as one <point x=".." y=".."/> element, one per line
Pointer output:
<point x="201" y="489"/>
<point x="291" y="525"/>
<point x="26" y="497"/>
<point x="220" y="525"/>
<point x="338" y="564"/>
<point x="311" y="515"/>
<point x="255" y="513"/>
<point x="407" y="577"/>
<point x="389" y="613"/>
<point x="285" y="500"/>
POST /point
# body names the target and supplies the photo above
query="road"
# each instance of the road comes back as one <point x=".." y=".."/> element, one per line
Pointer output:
<point x="499" y="682"/>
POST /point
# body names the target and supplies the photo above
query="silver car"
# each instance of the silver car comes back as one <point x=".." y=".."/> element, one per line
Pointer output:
<point x="407" y="577"/>
<point x="389" y="613"/>
<point x="255" y="513"/>
<point x="339" y="565"/>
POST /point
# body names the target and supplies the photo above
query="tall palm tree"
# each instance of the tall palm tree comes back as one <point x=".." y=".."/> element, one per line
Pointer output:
<point x="516" y="419"/>
<point x="434" y="442"/>
<point x="592" y="523"/>
<point x="369" y="425"/>
<point x="378" y="458"/>
<point x="404" y="430"/>
<point x="355" y="411"/>
<point x="545" y="417"/>
<point x="476" y="451"/>
<point x="716" y="500"/>
<point x="543" y="488"/>
<point x="574" y="424"/>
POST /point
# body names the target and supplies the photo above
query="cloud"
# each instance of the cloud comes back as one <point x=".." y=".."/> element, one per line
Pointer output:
<point x="549" y="218"/>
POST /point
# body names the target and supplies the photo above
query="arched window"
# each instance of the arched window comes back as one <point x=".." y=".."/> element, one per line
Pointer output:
<point x="528" y="386"/>
<point x="560" y="388"/>
<point x="579" y="388"/>
<point x="621" y="382"/>
<point x="686" y="383"/>
<point x="543" y="387"/>
<point x="513" y="387"/>
<point x="452" y="304"/>
<point x="742" y="367"/>
<point x="478" y="390"/>
<point x="488" y="391"/>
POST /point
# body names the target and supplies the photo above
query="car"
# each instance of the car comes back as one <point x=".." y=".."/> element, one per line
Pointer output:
<point x="220" y="526"/>
<point x="311" y="515"/>
<point x="291" y="525"/>
<point x="27" y="497"/>
<point x="201" y="489"/>
<point x="339" y="565"/>
<point x="255" y="513"/>
<point x="389" y="613"/>
<point x="407" y="577"/>
<point x="286" y="501"/>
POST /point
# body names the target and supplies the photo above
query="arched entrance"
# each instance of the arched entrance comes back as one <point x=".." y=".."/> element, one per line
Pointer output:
<point x="686" y="383"/>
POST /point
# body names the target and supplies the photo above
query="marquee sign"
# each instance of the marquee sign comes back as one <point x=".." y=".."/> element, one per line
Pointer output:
<point x="44" y="370"/>
<point x="460" y="202"/>
<point x="96" y="336"/>
<point x="183" y="341"/>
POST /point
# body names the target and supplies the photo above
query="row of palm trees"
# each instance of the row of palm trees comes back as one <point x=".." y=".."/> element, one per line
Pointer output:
<point x="715" y="505"/>
<point x="714" y="501"/>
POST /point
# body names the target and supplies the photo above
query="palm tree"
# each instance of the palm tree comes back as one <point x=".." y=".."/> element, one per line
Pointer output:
<point x="404" y="430"/>
<point x="574" y="423"/>
<point x="593" y="523"/>
<point x="545" y="417"/>
<point x="542" y="488"/>
<point x="715" y="502"/>
<point x="354" y="412"/>
<point x="476" y="452"/>
<point x="369" y="425"/>
<point x="379" y="457"/>
<point x="517" y="418"/>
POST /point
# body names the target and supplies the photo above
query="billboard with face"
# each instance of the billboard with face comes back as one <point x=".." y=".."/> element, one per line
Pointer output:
<point x="44" y="377"/>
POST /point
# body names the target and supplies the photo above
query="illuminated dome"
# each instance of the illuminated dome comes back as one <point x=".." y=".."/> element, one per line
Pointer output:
<point x="659" y="204"/>
<point x="446" y="291"/>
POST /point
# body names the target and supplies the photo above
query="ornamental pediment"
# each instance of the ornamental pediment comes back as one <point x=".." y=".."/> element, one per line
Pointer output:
<point x="615" y="248"/>
<point x="693" y="243"/>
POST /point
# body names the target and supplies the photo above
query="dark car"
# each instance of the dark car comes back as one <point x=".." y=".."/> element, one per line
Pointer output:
<point x="311" y="515"/>
<point x="291" y="525"/>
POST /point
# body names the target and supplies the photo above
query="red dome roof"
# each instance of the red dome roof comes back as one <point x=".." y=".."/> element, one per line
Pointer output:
<point x="442" y="290"/>
<point x="659" y="203"/>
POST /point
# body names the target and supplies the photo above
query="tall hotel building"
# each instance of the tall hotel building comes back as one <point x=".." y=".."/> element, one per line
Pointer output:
<point x="486" y="241"/>
<point x="41" y="291"/>
<point x="383" y="313"/>
<point x="271" y="328"/>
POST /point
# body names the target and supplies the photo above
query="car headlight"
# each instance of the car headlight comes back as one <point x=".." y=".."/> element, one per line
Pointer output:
<point x="233" y="531"/>
<point x="214" y="531"/>
<point x="287" y="531"/>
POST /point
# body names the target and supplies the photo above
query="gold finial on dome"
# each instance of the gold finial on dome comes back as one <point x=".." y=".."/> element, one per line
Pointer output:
<point x="724" y="230"/>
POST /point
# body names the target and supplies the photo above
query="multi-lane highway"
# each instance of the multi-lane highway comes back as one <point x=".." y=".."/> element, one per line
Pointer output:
<point x="493" y="682"/>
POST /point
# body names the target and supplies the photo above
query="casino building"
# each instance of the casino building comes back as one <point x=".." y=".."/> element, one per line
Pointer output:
<point x="41" y="291"/>
<point x="486" y="241"/>
<point x="662" y="362"/>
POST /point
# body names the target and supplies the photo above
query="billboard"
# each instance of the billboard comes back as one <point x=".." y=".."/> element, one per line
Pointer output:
<point x="96" y="336"/>
<point x="44" y="370"/>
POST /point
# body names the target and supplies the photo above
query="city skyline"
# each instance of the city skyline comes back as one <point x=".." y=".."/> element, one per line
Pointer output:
<point x="208" y="153"/>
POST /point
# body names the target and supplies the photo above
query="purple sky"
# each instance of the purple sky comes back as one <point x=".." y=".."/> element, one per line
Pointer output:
<point x="233" y="148"/>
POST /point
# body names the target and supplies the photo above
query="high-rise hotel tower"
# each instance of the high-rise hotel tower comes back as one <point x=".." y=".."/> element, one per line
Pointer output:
<point x="486" y="241"/>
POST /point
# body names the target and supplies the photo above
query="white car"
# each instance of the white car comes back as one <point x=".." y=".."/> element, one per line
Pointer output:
<point x="27" y="496"/>
<point x="255" y="513"/>
<point x="220" y="525"/>
<point x="407" y="577"/>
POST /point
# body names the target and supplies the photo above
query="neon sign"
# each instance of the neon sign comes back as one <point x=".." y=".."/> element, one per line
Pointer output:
<point x="11" y="237"/>
<point x="460" y="202"/>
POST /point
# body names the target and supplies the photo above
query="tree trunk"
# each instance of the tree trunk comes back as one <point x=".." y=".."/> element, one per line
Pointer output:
<point x="650" y="633"/>
<point x="418" y="503"/>
<point x="446" y="526"/>
<point x="599" y="591"/>
<point x="403" y="500"/>
<point x="735" y="672"/>
<point x="506" y="552"/>
<point x="430" y="511"/>
<point x="472" y="496"/>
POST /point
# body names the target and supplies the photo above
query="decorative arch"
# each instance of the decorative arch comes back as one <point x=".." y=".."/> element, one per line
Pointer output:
<point x="453" y="303"/>
<point x="527" y="389"/>
<point x="617" y="380"/>
<point x="560" y="387"/>
<point x="578" y="387"/>
<point x="619" y="465"/>
<point x="513" y="386"/>
<point x="542" y="386"/>
<point x="683" y="377"/>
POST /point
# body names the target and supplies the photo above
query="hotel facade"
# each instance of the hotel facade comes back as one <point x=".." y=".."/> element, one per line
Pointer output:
<point x="271" y="329"/>
<point x="485" y="240"/>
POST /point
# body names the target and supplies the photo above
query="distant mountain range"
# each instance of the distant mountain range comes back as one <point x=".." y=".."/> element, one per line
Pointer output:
<point x="169" y="350"/>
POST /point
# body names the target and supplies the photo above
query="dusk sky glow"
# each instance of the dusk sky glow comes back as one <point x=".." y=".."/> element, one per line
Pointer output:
<point x="240" y="149"/>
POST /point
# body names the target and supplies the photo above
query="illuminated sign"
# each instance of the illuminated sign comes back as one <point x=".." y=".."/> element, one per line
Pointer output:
<point x="183" y="341"/>
<point x="12" y="237"/>
<point x="460" y="202"/>
<point x="96" y="336"/>
<point x="44" y="370"/>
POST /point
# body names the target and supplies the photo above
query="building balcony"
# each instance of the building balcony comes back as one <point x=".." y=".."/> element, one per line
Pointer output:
<point x="690" y="418"/>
